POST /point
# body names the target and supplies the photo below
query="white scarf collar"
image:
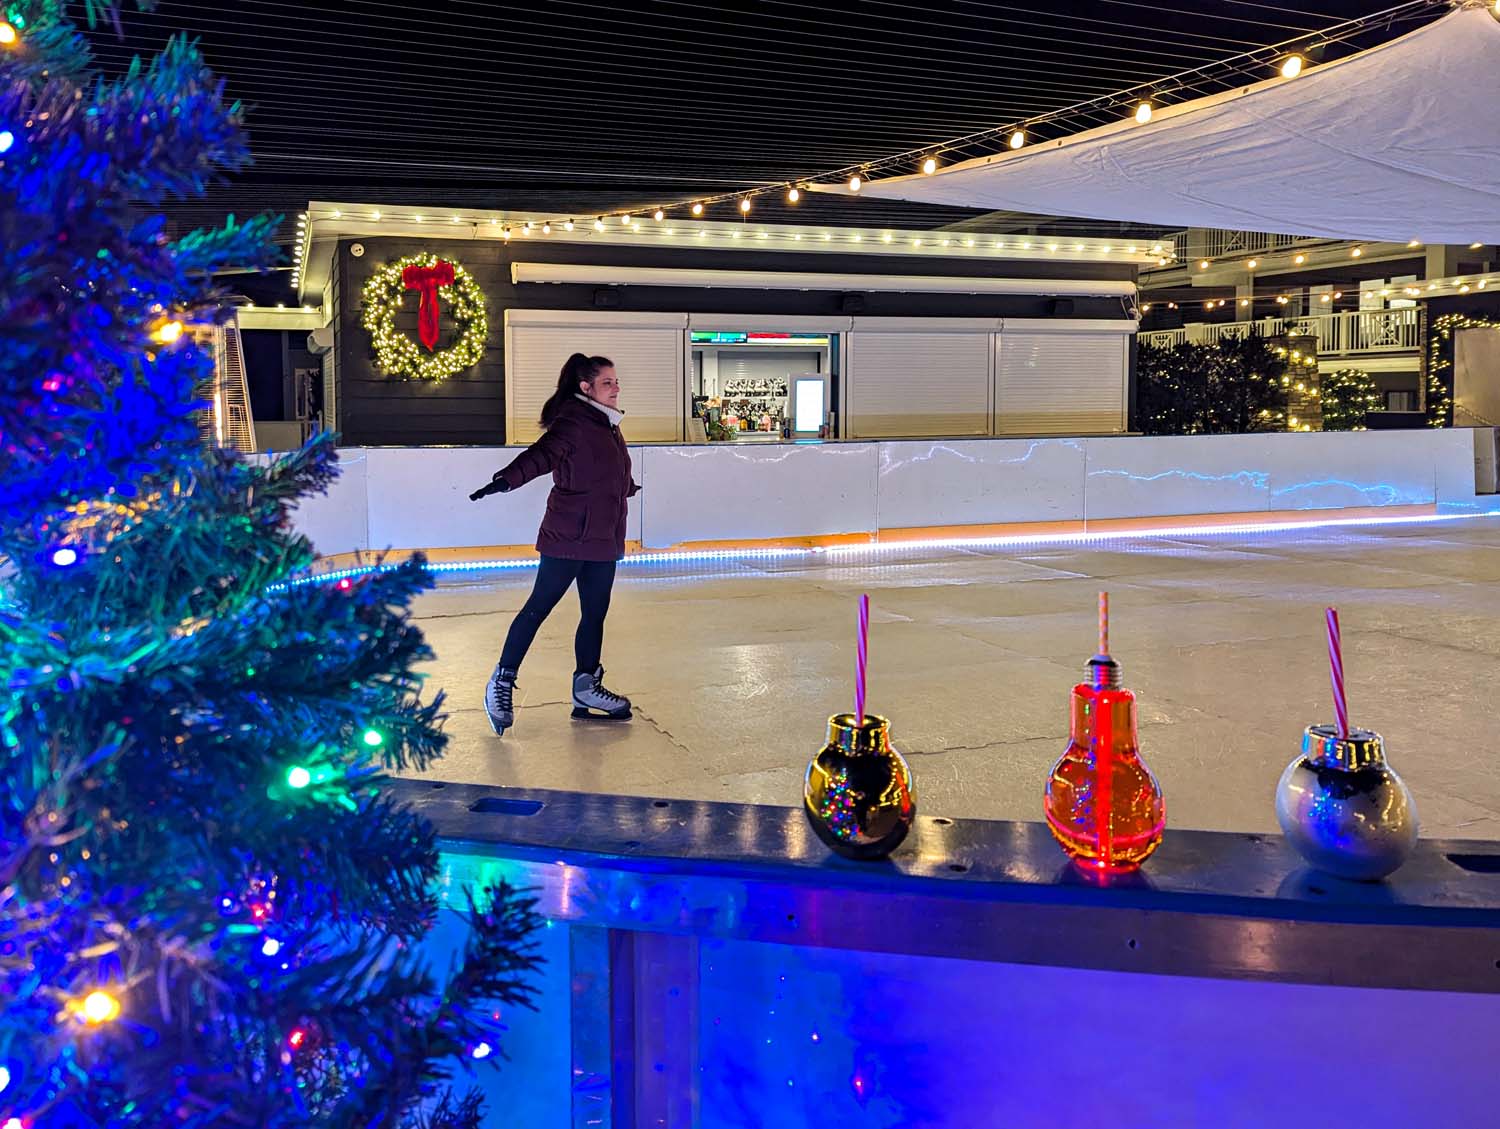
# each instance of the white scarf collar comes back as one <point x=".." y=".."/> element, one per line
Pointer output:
<point x="615" y="414"/>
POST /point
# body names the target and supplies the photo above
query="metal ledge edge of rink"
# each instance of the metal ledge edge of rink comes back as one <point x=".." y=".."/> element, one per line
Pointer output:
<point x="1207" y="904"/>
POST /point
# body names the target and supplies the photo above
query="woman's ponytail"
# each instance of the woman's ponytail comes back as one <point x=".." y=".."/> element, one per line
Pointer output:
<point x="577" y="369"/>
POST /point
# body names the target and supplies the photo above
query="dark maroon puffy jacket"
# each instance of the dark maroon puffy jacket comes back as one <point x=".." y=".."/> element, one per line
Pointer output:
<point x="590" y="468"/>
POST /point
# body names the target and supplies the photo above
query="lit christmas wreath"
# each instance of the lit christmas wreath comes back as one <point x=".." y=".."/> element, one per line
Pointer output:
<point x="443" y="285"/>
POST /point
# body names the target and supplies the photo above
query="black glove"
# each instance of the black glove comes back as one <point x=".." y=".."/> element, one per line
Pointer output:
<point x="497" y="485"/>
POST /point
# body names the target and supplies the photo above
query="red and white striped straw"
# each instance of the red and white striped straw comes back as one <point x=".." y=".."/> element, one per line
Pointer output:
<point x="862" y="659"/>
<point x="1104" y="623"/>
<point x="1336" y="674"/>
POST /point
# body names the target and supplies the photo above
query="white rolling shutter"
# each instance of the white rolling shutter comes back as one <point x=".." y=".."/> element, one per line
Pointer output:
<point x="919" y="377"/>
<point x="647" y="349"/>
<point x="1060" y="381"/>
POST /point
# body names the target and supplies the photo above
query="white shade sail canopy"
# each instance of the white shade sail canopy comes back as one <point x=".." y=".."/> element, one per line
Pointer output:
<point x="1395" y="143"/>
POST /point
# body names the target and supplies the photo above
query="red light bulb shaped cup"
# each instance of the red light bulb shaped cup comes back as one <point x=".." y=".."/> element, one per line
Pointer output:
<point x="1103" y="804"/>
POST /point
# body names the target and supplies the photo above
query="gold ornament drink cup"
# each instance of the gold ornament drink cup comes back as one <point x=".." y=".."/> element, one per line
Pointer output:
<point x="858" y="793"/>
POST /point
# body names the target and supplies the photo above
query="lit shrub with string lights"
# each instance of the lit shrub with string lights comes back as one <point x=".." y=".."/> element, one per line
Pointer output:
<point x="1349" y="395"/>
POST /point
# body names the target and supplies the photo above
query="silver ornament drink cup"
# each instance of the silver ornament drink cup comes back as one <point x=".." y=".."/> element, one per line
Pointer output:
<point x="1343" y="808"/>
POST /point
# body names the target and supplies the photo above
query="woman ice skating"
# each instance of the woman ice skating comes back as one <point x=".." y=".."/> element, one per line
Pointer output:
<point x="582" y="536"/>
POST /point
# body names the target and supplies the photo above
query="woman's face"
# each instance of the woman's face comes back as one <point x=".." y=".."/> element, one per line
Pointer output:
<point x="605" y="389"/>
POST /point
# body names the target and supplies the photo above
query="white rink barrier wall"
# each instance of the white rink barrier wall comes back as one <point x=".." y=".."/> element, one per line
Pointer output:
<point x="417" y="497"/>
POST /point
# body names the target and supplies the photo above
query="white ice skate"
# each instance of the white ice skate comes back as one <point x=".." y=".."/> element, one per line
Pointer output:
<point x="498" y="705"/>
<point x="592" y="702"/>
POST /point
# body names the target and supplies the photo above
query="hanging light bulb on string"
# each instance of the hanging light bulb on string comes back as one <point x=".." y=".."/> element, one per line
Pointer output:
<point x="1143" y="113"/>
<point x="625" y="219"/>
<point x="745" y="206"/>
<point x="546" y="229"/>
<point x="793" y="194"/>
<point x="1291" y="66"/>
<point x="855" y="183"/>
<point x="658" y="215"/>
<point x="599" y="224"/>
<point x="929" y="166"/>
<point x="568" y="226"/>
<point x="1017" y="139"/>
<point x="697" y="209"/>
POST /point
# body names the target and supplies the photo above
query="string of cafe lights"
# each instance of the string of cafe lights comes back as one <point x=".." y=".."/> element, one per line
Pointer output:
<point x="1329" y="293"/>
<point x="1288" y="59"/>
<point x="942" y="242"/>
<point x="1298" y="258"/>
<point x="1462" y="285"/>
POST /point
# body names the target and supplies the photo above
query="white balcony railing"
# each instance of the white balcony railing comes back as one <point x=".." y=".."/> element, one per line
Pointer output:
<point x="1215" y="243"/>
<point x="1338" y="335"/>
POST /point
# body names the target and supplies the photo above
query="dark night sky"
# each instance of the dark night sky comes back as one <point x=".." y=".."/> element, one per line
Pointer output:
<point x="582" y="106"/>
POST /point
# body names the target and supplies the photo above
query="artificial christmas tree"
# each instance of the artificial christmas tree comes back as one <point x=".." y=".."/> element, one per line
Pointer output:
<point x="209" y="914"/>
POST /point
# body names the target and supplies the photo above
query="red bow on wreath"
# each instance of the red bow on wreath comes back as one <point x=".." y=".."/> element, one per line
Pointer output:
<point x="426" y="281"/>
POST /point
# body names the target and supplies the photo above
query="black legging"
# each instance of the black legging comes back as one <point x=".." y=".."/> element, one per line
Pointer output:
<point x="553" y="577"/>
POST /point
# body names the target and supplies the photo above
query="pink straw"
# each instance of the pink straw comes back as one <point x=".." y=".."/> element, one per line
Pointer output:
<point x="863" y="658"/>
<point x="1104" y="623"/>
<point x="1336" y="674"/>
